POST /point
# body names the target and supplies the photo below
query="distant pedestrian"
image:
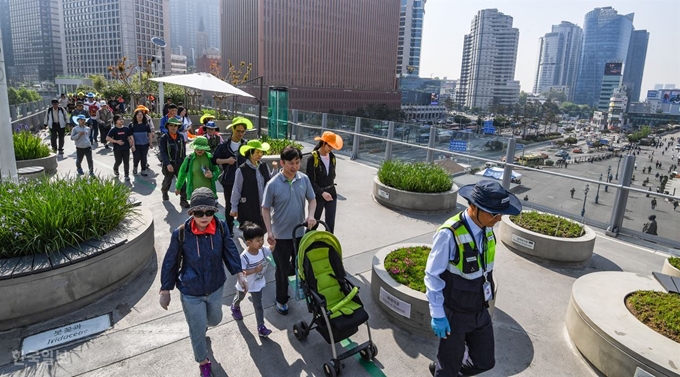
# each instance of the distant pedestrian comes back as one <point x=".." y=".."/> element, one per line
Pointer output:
<point x="653" y="203"/>
<point x="675" y="205"/>
<point x="56" y="120"/>
<point x="651" y="226"/>
<point x="572" y="191"/>
<point x="121" y="139"/>
<point x="80" y="134"/>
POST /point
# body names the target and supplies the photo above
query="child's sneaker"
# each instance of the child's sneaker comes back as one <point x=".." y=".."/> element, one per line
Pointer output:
<point x="263" y="331"/>
<point x="236" y="312"/>
<point x="282" y="308"/>
<point x="206" y="369"/>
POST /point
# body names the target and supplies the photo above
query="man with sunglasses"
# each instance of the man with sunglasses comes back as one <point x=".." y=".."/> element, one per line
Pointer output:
<point x="459" y="280"/>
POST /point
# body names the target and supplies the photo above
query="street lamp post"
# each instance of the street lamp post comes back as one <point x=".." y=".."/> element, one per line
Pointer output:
<point x="585" y="196"/>
<point x="617" y="167"/>
<point x="597" y="195"/>
<point x="609" y="178"/>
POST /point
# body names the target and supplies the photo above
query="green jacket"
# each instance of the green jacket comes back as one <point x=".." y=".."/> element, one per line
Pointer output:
<point x="183" y="177"/>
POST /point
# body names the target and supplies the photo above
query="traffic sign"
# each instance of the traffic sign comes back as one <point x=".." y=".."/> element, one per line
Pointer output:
<point x="519" y="147"/>
<point x="458" y="145"/>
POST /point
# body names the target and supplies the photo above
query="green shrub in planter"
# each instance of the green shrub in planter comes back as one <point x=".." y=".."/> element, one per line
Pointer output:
<point x="549" y="162"/>
<point x="28" y="146"/>
<point x="675" y="262"/>
<point x="547" y="224"/>
<point x="407" y="266"/>
<point x="414" y="177"/>
<point x="52" y="214"/>
<point x="474" y="171"/>
<point x="660" y="311"/>
<point x="277" y="145"/>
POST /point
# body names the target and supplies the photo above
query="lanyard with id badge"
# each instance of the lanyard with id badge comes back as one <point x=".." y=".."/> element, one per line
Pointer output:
<point x="486" y="287"/>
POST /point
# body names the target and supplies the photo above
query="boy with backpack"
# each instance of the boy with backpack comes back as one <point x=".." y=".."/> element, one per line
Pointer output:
<point x="56" y="120"/>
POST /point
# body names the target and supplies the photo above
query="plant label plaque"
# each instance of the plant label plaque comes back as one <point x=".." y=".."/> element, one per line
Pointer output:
<point x="529" y="244"/>
<point x="398" y="306"/>
<point x="383" y="194"/>
<point x="65" y="334"/>
<point x="641" y="373"/>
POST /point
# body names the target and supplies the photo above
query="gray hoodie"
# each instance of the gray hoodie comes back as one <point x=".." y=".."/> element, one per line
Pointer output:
<point x="82" y="141"/>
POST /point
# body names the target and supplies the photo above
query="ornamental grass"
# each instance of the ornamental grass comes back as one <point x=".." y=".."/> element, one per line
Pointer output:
<point x="29" y="146"/>
<point x="407" y="266"/>
<point x="675" y="262"/>
<point x="417" y="177"/>
<point x="277" y="145"/>
<point x="660" y="311"/>
<point x="547" y="224"/>
<point x="46" y="215"/>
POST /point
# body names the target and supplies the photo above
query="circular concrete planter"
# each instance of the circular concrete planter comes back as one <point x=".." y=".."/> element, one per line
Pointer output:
<point x="556" y="249"/>
<point x="396" y="199"/>
<point x="609" y="336"/>
<point x="668" y="269"/>
<point x="405" y="307"/>
<point x="70" y="279"/>
<point x="49" y="163"/>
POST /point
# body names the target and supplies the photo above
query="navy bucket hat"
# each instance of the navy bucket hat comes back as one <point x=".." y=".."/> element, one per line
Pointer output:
<point x="491" y="197"/>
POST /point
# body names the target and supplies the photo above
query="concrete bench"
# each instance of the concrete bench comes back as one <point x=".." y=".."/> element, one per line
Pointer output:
<point x="31" y="172"/>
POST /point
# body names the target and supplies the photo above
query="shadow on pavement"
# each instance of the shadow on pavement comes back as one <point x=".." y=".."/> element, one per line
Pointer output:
<point x="514" y="349"/>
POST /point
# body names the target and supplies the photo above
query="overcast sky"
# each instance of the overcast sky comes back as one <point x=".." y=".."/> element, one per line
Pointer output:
<point x="446" y="21"/>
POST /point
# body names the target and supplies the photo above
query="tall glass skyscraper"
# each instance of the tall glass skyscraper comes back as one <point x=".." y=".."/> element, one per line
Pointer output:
<point x="6" y="28"/>
<point x="606" y="39"/>
<point x="635" y="64"/>
<point x="410" y="36"/>
<point x="559" y="52"/>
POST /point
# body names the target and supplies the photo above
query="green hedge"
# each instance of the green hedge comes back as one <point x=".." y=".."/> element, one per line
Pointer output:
<point x="548" y="224"/>
<point x="414" y="177"/>
<point x="52" y="214"/>
<point x="277" y="145"/>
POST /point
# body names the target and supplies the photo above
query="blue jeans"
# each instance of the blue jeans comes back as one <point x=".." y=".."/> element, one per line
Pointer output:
<point x="257" y="304"/>
<point x="94" y="131"/>
<point x="201" y="312"/>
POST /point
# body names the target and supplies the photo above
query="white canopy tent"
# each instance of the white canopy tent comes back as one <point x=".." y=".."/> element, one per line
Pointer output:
<point x="202" y="81"/>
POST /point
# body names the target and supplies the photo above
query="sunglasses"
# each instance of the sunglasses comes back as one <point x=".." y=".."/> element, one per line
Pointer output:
<point x="207" y="213"/>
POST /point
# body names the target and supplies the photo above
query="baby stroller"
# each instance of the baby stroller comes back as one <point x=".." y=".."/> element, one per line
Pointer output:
<point x="337" y="311"/>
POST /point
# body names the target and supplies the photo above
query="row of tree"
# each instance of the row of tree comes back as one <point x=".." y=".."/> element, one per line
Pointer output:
<point x="22" y="95"/>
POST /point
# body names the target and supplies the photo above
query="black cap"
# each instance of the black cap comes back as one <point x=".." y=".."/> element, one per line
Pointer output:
<point x="55" y="101"/>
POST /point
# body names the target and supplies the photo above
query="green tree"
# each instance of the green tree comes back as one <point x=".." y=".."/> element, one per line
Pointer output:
<point x="570" y="141"/>
<point x="99" y="82"/>
<point x="449" y="104"/>
<point x="523" y="98"/>
<point x="14" y="98"/>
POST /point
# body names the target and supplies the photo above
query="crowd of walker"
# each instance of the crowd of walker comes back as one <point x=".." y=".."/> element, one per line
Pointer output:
<point x="267" y="205"/>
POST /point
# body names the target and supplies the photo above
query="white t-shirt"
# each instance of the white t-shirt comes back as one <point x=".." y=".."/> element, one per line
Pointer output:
<point x="326" y="162"/>
<point x="249" y="261"/>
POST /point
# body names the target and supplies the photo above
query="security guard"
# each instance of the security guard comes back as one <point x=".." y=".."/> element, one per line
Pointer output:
<point x="459" y="280"/>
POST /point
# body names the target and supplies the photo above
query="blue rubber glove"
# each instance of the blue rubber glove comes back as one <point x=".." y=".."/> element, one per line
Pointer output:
<point x="441" y="327"/>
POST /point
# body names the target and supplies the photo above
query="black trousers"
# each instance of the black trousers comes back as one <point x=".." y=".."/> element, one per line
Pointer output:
<point x="87" y="153"/>
<point x="56" y="132"/>
<point x="103" y="132"/>
<point x="139" y="155"/>
<point x="122" y="155"/>
<point x="330" y="208"/>
<point x="227" y="207"/>
<point x="474" y="330"/>
<point x="285" y="257"/>
<point x="167" y="182"/>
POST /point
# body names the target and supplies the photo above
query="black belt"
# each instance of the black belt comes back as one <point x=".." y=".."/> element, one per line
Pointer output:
<point x="327" y="187"/>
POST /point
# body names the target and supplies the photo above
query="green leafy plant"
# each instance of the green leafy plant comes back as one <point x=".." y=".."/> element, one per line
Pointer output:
<point x="217" y="114"/>
<point x="277" y="145"/>
<point x="52" y="214"/>
<point x="549" y="162"/>
<point x="414" y="177"/>
<point x="675" y="262"/>
<point x="660" y="311"/>
<point x="28" y="146"/>
<point x="407" y="266"/>
<point x="474" y="171"/>
<point x="547" y="224"/>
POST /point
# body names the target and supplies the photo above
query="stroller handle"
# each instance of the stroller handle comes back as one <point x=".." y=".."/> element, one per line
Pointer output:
<point x="304" y="224"/>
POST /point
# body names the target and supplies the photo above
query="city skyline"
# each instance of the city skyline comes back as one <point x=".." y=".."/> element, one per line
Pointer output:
<point x="446" y="24"/>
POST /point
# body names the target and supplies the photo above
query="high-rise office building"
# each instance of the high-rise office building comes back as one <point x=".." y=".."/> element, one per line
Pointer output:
<point x="489" y="58"/>
<point x="185" y="21"/>
<point x="337" y="55"/>
<point x="6" y="30"/>
<point x="36" y="39"/>
<point x="635" y="64"/>
<point x="558" y="56"/>
<point x="411" y="19"/>
<point x="606" y="36"/>
<point x="99" y="35"/>
<point x="611" y="80"/>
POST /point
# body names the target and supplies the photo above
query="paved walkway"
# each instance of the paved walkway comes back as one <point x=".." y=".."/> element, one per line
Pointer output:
<point x="531" y="338"/>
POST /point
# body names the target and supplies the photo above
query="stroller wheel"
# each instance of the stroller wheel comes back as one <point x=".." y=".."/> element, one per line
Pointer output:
<point x="369" y="353"/>
<point x="300" y="330"/>
<point x="329" y="369"/>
